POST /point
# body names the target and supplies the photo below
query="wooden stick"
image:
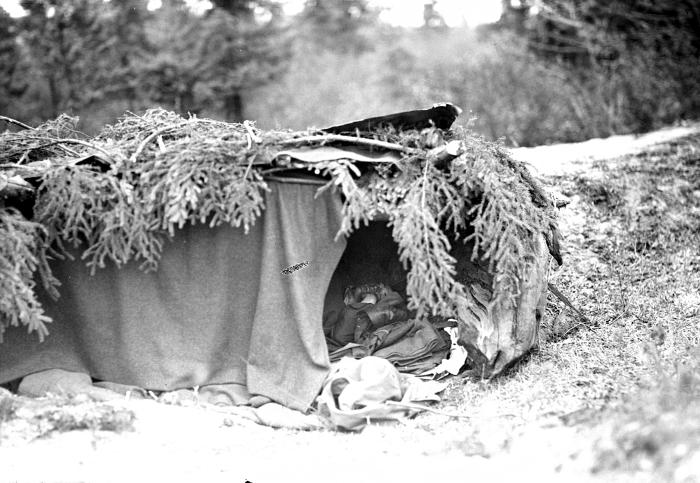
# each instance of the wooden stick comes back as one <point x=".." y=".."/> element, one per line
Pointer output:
<point x="165" y="129"/>
<point x="421" y="407"/>
<point x="152" y="136"/>
<point x="565" y="299"/>
<point x="70" y="141"/>
<point x="280" y="179"/>
<point x="10" y="189"/>
<point x="16" y="122"/>
<point x="18" y="186"/>
<point x="446" y="153"/>
<point x="350" y="139"/>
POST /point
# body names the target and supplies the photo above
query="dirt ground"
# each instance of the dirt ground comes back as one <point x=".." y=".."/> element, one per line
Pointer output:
<point x="612" y="397"/>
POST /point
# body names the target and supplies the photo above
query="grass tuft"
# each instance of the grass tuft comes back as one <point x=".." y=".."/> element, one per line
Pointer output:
<point x="33" y="418"/>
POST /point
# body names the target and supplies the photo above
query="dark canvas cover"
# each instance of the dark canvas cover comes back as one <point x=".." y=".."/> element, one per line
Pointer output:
<point x="220" y="309"/>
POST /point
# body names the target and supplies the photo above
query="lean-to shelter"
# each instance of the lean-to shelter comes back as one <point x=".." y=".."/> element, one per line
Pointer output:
<point x="171" y="252"/>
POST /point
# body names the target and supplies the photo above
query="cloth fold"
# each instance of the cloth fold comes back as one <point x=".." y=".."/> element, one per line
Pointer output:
<point x="359" y="317"/>
<point x="413" y="346"/>
<point x="220" y="309"/>
<point x="421" y="341"/>
<point x="358" y="391"/>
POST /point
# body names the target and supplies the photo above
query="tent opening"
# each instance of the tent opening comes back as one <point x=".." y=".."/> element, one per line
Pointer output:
<point x="366" y="313"/>
<point x="370" y="259"/>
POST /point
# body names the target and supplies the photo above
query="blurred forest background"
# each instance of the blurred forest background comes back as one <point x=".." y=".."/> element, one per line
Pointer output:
<point x="547" y="71"/>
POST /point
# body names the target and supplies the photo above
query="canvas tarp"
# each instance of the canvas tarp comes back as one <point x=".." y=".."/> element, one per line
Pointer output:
<point x="221" y="308"/>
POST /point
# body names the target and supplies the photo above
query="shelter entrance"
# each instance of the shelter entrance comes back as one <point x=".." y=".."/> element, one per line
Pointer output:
<point x="365" y="310"/>
<point x="370" y="257"/>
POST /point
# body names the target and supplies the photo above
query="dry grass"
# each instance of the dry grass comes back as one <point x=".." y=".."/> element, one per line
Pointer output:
<point x="31" y="418"/>
<point x="633" y="239"/>
<point x="615" y="396"/>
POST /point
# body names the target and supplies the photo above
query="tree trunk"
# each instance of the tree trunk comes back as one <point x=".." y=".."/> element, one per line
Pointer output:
<point x="495" y="332"/>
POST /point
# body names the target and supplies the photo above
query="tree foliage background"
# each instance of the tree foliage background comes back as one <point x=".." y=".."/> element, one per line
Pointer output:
<point x="548" y="71"/>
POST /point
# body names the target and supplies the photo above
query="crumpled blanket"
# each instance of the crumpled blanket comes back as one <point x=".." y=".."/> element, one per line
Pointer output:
<point x="367" y="307"/>
<point x="358" y="391"/>
<point x="375" y="321"/>
<point x="403" y="346"/>
<point x="412" y="346"/>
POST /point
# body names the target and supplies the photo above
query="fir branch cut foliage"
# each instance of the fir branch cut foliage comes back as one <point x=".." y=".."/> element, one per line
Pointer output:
<point x="165" y="171"/>
<point x="22" y="257"/>
<point x="127" y="212"/>
<point x="429" y="203"/>
<point x="509" y="213"/>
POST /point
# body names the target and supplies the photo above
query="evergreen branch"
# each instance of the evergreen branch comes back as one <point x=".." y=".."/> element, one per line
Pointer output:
<point x="211" y="172"/>
<point x="51" y="142"/>
<point x="165" y="129"/>
<point x="21" y="257"/>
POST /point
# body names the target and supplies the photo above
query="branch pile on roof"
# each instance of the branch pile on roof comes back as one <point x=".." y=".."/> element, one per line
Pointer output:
<point x="122" y="194"/>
